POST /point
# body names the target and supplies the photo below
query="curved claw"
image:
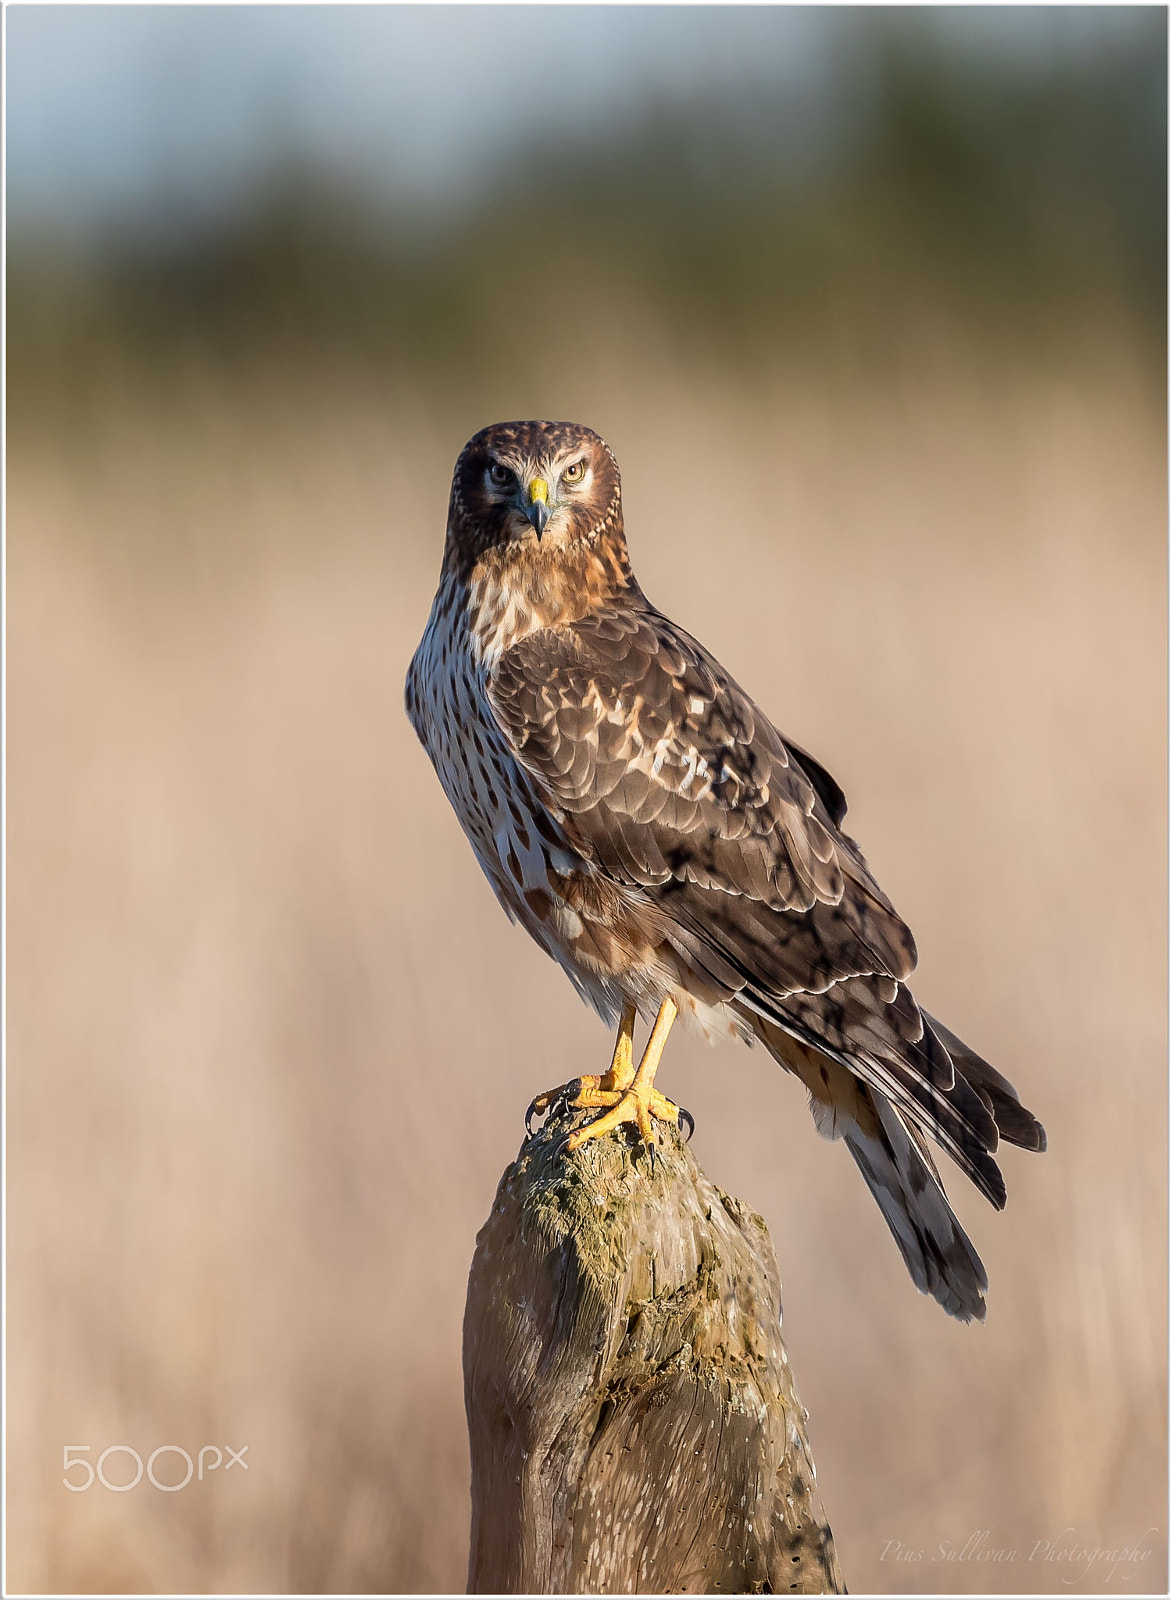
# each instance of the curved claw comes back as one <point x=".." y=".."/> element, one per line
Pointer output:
<point x="537" y="1107"/>
<point x="682" y="1117"/>
<point x="542" y="1104"/>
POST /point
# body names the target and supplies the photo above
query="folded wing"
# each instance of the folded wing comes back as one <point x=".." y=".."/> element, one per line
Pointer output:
<point x="675" y="785"/>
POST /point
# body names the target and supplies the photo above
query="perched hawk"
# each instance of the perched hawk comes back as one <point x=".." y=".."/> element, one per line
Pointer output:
<point x="654" y="832"/>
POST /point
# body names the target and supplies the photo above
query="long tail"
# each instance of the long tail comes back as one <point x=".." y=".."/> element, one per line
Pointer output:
<point x="902" y="1176"/>
<point x="898" y="1167"/>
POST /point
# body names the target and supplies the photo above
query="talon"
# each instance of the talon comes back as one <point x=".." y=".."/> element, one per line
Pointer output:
<point x="683" y="1116"/>
<point x="542" y="1103"/>
<point x="537" y="1107"/>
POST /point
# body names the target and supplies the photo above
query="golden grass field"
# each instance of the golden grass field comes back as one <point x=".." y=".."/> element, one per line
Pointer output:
<point x="270" y="1038"/>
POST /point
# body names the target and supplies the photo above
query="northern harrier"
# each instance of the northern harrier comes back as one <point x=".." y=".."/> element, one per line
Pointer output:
<point x="644" y="820"/>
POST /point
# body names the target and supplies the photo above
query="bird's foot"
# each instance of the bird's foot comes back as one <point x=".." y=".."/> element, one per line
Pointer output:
<point x="638" y="1103"/>
<point x="592" y="1089"/>
<point x="623" y="1093"/>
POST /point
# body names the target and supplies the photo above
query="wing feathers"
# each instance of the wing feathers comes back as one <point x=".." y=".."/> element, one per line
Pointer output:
<point x="1015" y="1123"/>
<point x="621" y="715"/>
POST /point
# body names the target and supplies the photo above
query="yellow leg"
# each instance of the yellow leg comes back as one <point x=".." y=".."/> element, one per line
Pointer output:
<point x="622" y="1069"/>
<point x="639" y="1101"/>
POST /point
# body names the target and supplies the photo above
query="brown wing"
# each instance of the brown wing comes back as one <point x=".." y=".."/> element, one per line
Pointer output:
<point x="669" y="775"/>
<point x="673" y="782"/>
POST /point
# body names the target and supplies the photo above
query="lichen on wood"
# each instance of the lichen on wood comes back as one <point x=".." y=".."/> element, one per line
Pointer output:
<point x="633" y="1420"/>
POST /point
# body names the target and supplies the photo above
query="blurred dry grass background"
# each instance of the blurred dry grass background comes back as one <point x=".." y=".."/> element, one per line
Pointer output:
<point x="270" y="1038"/>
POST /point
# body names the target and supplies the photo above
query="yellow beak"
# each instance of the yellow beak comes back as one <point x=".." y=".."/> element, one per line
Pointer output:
<point x="538" y="512"/>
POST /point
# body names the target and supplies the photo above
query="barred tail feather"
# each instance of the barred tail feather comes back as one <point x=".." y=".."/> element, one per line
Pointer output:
<point x="897" y="1166"/>
<point x="898" y="1170"/>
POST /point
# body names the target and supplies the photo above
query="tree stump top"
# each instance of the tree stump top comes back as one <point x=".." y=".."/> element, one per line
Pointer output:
<point x="633" y="1419"/>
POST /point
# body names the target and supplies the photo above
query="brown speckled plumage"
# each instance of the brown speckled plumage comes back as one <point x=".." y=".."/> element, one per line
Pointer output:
<point x="655" y="833"/>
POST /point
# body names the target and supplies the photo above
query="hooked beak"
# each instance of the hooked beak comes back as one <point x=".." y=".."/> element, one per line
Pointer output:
<point x="538" y="511"/>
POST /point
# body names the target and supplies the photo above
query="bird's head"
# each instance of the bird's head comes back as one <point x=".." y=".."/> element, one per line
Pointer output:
<point x="536" y="488"/>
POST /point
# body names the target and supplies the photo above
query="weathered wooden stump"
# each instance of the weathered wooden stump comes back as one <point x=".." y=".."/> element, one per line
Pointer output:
<point x="632" y="1416"/>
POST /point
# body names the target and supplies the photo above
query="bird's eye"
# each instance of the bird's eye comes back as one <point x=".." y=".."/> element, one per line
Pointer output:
<point x="499" y="475"/>
<point x="575" y="473"/>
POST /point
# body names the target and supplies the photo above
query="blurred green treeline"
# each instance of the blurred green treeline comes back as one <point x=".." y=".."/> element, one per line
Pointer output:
<point x="1004" y="199"/>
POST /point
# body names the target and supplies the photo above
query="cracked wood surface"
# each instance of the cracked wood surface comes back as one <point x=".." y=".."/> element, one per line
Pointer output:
<point x="633" y="1421"/>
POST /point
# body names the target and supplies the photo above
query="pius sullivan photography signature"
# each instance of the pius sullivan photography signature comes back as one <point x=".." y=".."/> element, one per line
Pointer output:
<point x="1073" y="1556"/>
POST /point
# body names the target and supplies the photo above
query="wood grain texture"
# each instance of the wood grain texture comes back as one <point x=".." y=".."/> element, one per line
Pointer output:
<point x="633" y="1420"/>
